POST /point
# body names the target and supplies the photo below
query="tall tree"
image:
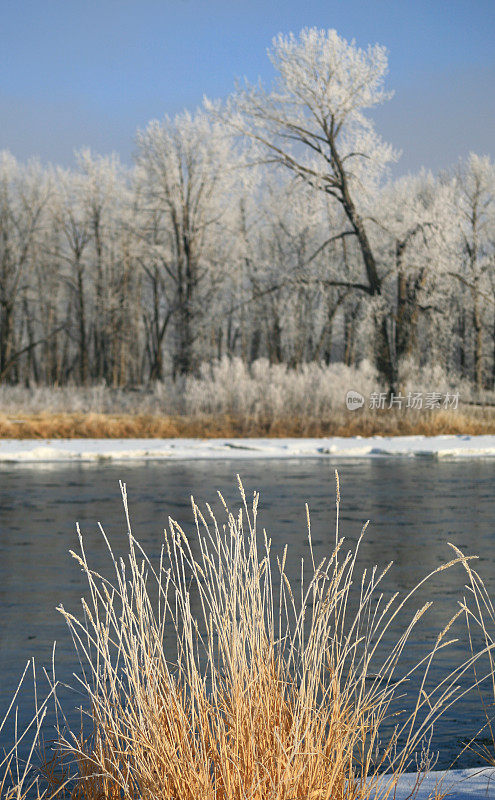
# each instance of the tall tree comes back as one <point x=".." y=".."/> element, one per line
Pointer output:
<point x="475" y="184"/>
<point x="73" y="217"/>
<point x="24" y="192"/>
<point x="190" y="176"/>
<point x="415" y="232"/>
<point x="312" y="122"/>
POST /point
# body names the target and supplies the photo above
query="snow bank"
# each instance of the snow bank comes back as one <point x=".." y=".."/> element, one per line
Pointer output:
<point x="445" y="447"/>
<point x="455" y="784"/>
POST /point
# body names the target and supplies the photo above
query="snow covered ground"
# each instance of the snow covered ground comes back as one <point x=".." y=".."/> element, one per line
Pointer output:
<point x="463" y="784"/>
<point x="38" y="450"/>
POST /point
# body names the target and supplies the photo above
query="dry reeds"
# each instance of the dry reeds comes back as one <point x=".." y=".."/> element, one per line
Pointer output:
<point x="471" y="421"/>
<point x="19" y="776"/>
<point x="479" y="612"/>
<point x="209" y="677"/>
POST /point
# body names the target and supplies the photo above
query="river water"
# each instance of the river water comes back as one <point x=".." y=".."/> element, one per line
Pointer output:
<point x="415" y="507"/>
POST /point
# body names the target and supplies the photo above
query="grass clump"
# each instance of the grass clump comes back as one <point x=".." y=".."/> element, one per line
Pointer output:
<point x="231" y="398"/>
<point x="470" y="421"/>
<point x="209" y="676"/>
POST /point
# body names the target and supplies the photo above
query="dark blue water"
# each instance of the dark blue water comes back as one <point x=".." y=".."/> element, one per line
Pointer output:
<point x="415" y="507"/>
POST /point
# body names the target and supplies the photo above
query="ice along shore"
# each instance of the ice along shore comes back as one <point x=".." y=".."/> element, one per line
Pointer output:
<point x="96" y="450"/>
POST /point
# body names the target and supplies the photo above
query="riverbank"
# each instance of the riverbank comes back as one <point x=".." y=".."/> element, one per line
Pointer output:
<point x="466" y="420"/>
<point x="97" y="450"/>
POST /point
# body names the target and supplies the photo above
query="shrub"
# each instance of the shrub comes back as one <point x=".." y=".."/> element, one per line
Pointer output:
<point x="265" y="692"/>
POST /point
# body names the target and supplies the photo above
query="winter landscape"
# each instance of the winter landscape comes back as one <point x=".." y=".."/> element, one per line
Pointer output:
<point x="247" y="401"/>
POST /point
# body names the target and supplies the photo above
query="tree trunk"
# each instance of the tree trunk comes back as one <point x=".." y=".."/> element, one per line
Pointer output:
<point x="384" y="357"/>
<point x="385" y="363"/>
<point x="478" y="345"/>
<point x="275" y="341"/>
<point x="493" y="362"/>
<point x="254" y="350"/>
<point x="350" y="316"/>
<point x="31" y="355"/>
<point x="83" y="343"/>
<point x="6" y="336"/>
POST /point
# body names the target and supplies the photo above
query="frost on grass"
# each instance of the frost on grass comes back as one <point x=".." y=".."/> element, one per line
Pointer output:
<point x="230" y="386"/>
<point x="208" y="674"/>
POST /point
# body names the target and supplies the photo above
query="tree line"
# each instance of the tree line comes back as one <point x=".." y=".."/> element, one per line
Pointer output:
<point x="264" y="226"/>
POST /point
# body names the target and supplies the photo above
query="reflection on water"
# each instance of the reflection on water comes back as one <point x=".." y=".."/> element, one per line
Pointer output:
<point x="415" y="507"/>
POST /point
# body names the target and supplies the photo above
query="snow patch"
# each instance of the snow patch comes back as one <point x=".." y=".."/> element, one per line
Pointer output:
<point x="464" y="784"/>
<point x="96" y="450"/>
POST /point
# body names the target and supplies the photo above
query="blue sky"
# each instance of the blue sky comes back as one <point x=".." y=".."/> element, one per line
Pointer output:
<point x="90" y="72"/>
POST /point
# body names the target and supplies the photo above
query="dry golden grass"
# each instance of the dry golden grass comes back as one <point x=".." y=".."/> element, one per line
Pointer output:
<point x="266" y="693"/>
<point x="480" y="616"/>
<point x="470" y="420"/>
<point x="19" y="778"/>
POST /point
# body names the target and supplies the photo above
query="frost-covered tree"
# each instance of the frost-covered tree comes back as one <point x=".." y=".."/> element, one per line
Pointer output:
<point x="189" y="178"/>
<point x="414" y="233"/>
<point x="24" y="193"/>
<point x="95" y="252"/>
<point x="475" y="189"/>
<point x="72" y="216"/>
<point x="289" y="263"/>
<point x="104" y="204"/>
<point x="312" y="122"/>
<point x="266" y="228"/>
